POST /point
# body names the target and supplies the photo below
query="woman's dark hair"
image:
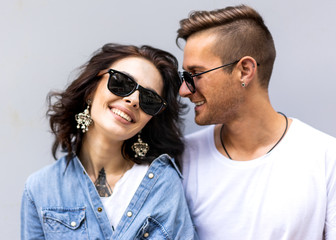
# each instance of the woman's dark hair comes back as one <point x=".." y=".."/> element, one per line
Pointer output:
<point x="162" y="132"/>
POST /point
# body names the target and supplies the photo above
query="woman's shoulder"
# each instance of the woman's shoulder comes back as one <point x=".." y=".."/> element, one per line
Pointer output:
<point x="166" y="164"/>
<point x="164" y="176"/>
<point x="46" y="174"/>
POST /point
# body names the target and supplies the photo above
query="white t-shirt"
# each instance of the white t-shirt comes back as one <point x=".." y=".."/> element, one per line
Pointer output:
<point x="116" y="204"/>
<point x="287" y="194"/>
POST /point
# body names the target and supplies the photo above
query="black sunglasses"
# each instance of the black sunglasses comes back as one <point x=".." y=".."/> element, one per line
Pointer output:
<point x="123" y="85"/>
<point x="188" y="77"/>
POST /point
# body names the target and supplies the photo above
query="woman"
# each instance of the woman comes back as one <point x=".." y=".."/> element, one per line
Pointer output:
<point x="118" y="123"/>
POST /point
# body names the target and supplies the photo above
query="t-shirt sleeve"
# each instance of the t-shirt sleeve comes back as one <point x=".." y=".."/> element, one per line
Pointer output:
<point x="330" y="222"/>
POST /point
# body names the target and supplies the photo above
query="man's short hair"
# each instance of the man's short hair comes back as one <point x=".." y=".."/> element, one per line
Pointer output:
<point x="240" y="32"/>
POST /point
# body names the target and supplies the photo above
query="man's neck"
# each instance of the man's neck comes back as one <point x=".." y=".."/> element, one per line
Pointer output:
<point x="251" y="135"/>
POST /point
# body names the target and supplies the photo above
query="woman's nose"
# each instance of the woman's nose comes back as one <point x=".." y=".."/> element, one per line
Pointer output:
<point x="133" y="99"/>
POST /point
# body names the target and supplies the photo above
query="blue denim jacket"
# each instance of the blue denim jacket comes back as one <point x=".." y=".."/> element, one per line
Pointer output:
<point x="61" y="202"/>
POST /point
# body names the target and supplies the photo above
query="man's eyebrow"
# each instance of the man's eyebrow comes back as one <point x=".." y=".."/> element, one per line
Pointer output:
<point x="193" y="67"/>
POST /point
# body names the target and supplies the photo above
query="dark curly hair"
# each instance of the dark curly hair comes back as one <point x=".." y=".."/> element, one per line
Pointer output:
<point x="162" y="132"/>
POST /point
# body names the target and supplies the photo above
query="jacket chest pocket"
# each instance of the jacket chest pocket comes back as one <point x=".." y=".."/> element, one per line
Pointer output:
<point x="61" y="223"/>
<point x="152" y="229"/>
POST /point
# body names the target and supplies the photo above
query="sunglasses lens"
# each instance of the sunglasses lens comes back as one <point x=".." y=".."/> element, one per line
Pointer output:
<point x="150" y="102"/>
<point x="120" y="84"/>
<point x="189" y="81"/>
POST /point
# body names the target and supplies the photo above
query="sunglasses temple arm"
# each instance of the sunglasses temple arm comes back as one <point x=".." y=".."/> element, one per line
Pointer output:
<point x="225" y="65"/>
<point x="102" y="74"/>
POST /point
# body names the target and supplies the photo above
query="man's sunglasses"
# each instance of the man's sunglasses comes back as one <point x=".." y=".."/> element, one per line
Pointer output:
<point x="123" y="85"/>
<point x="189" y="78"/>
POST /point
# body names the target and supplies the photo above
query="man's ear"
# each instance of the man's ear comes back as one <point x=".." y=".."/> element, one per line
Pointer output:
<point x="248" y="67"/>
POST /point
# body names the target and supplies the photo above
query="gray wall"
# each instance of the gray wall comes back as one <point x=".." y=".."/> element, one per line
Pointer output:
<point x="43" y="41"/>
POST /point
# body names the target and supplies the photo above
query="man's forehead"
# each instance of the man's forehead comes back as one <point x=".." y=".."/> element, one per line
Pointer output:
<point x="198" y="51"/>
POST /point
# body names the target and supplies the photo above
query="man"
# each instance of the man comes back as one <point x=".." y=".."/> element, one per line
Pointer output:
<point x="254" y="174"/>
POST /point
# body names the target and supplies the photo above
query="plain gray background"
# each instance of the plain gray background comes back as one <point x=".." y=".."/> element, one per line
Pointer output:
<point x="44" y="41"/>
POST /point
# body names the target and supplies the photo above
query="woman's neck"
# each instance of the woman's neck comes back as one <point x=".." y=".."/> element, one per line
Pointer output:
<point x="103" y="162"/>
<point x="98" y="153"/>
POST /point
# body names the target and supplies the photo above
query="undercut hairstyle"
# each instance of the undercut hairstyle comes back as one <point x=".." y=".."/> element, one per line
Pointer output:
<point x="162" y="132"/>
<point x="240" y="31"/>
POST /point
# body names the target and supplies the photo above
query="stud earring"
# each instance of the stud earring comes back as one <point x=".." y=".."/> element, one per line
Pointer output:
<point x="140" y="148"/>
<point x="243" y="84"/>
<point x="84" y="119"/>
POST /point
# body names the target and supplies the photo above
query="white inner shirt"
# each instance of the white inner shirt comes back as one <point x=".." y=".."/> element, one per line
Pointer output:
<point x="116" y="204"/>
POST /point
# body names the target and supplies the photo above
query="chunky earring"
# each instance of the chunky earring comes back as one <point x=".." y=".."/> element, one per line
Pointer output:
<point x="140" y="148"/>
<point x="243" y="84"/>
<point x="84" y="119"/>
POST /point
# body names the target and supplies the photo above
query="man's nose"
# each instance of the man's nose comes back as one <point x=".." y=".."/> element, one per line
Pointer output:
<point x="184" y="90"/>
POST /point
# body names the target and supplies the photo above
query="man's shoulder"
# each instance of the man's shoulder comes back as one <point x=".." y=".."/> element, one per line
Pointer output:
<point x="198" y="145"/>
<point x="200" y="134"/>
<point x="305" y="130"/>
<point x="308" y="138"/>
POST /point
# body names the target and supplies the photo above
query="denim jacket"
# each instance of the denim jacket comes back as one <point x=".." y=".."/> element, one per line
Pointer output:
<point x="61" y="202"/>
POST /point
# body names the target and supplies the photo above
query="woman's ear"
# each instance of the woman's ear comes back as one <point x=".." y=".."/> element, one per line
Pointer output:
<point x="248" y="68"/>
<point x="89" y="99"/>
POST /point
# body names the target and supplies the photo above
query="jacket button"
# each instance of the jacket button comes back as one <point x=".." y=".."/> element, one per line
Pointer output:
<point x="99" y="209"/>
<point x="73" y="224"/>
<point x="151" y="175"/>
<point x="129" y="214"/>
<point x="146" y="235"/>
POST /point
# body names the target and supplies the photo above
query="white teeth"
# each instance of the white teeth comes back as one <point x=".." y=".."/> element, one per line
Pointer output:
<point x="122" y="114"/>
<point x="199" y="103"/>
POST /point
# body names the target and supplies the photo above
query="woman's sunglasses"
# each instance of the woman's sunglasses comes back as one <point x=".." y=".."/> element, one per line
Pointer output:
<point x="123" y="85"/>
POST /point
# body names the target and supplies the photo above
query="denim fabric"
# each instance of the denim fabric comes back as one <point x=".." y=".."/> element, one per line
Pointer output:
<point x="61" y="202"/>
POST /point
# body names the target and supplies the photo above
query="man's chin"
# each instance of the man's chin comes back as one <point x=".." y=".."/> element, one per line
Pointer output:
<point x="201" y="122"/>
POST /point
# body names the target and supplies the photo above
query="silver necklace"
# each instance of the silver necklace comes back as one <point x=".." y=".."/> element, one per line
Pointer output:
<point x="222" y="142"/>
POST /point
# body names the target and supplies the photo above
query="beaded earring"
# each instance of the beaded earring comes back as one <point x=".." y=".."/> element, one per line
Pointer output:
<point x="140" y="148"/>
<point x="84" y="119"/>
